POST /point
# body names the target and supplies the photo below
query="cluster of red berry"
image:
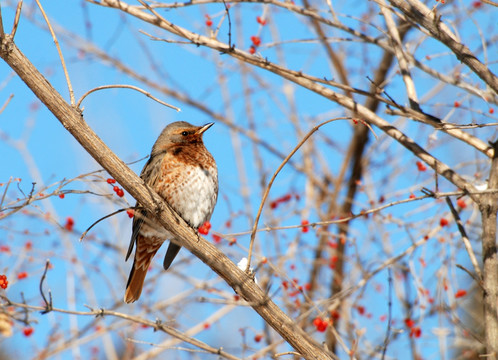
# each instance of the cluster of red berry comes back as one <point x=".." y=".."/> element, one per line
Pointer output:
<point x="415" y="331"/>
<point x="119" y="192"/>
<point x="320" y="324"/>
<point x="256" y="40"/>
<point x="204" y="228"/>
<point x="3" y="282"/>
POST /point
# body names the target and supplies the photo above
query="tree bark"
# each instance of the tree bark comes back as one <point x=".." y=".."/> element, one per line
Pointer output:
<point x="489" y="208"/>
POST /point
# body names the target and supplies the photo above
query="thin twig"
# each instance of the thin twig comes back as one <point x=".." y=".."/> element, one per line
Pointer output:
<point x="4" y="106"/>
<point x="229" y="25"/>
<point x="360" y="214"/>
<point x="103" y="218"/>
<point x="286" y="353"/>
<point x="397" y="45"/>
<point x="119" y="86"/>
<point x="389" y="312"/>
<point x="155" y="38"/>
<point x="465" y="240"/>
<point x="472" y="275"/>
<point x="16" y="19"/>
<point x="267" y="190"/>
<point x="2" y="32"/>
<point x="48" y="304"/>
<point x="66" y="74"/>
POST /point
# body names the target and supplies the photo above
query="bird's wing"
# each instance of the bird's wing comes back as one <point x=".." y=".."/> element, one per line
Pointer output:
<point x="150" y="173"/>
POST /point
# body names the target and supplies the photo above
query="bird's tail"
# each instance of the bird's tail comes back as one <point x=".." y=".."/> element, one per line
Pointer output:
<point x="143" y="257"/>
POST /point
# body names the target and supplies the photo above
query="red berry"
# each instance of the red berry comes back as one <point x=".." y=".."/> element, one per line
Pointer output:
<point x="456" y="104"/>
<point x="3" y="282"/>
<point x="61" y="195"/>
<point x="252" y="50"/>
<point x="260" y="20"/>
<point x="461" y="203"/>
<point x="111" y="181"/>
<point x="209" y="22"/>
<point x="258" y="337"/>
<point x="491" y="110"/>
<point x="476" y="4"/>
<point x="361" y="309"/>
<point x="22" y="275"/>
<point x="204" y="228"/>
<point x="256" y="40"/>
<point x="421" y="166"/>
<point x="412" y="196"/>
<point x="69" y="224"/>
<point x="335" y="314"/>
<point x="305" y="229"/>
<point x="286" y="198"/>
<point x="460" y="293"/>
<point x="320" y="325"/>
<point x="27" y="331"/>
<point x="443" y="222"/>
<point x="115" y="189"/>
<point x="206" y="325"/>
<point x="415" y="332"/>
<point x="409" y="322"/>
<point x="323" y="326"/>
<point x="131" y="213"/>
<point x="120" y="192"/>
<point x="216" y="238"/>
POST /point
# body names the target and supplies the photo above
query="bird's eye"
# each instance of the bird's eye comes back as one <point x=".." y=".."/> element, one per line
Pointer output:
<point x="185" y="133"/>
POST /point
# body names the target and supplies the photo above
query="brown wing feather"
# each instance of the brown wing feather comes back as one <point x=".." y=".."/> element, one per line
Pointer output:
<point x="150" y="174"/>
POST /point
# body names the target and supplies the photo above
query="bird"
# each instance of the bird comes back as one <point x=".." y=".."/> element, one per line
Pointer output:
<point x="184" y="173"/>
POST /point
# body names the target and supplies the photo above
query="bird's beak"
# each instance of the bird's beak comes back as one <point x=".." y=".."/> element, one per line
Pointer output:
<point x="204" y="128"/>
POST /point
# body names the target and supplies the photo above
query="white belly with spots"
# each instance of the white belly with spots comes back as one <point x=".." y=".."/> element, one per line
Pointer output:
<point x="194" y="198"/>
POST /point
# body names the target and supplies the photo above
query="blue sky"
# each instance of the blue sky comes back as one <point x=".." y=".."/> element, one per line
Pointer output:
<point x="129" y="123"/>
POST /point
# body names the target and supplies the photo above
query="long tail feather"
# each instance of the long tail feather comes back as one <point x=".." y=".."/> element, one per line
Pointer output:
<point x="145" y="250"/>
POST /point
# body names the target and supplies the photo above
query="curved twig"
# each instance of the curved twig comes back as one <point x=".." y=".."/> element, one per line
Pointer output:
<point x="103" y="218"/>
<point x="119" y="86"/>
<point x="268" y="187"/>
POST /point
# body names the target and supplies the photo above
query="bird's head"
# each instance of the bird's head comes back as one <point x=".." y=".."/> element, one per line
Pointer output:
<point x="181" y="133"/>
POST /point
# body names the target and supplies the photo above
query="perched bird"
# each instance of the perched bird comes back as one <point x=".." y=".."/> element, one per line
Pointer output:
<point x="183" y="172"/>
